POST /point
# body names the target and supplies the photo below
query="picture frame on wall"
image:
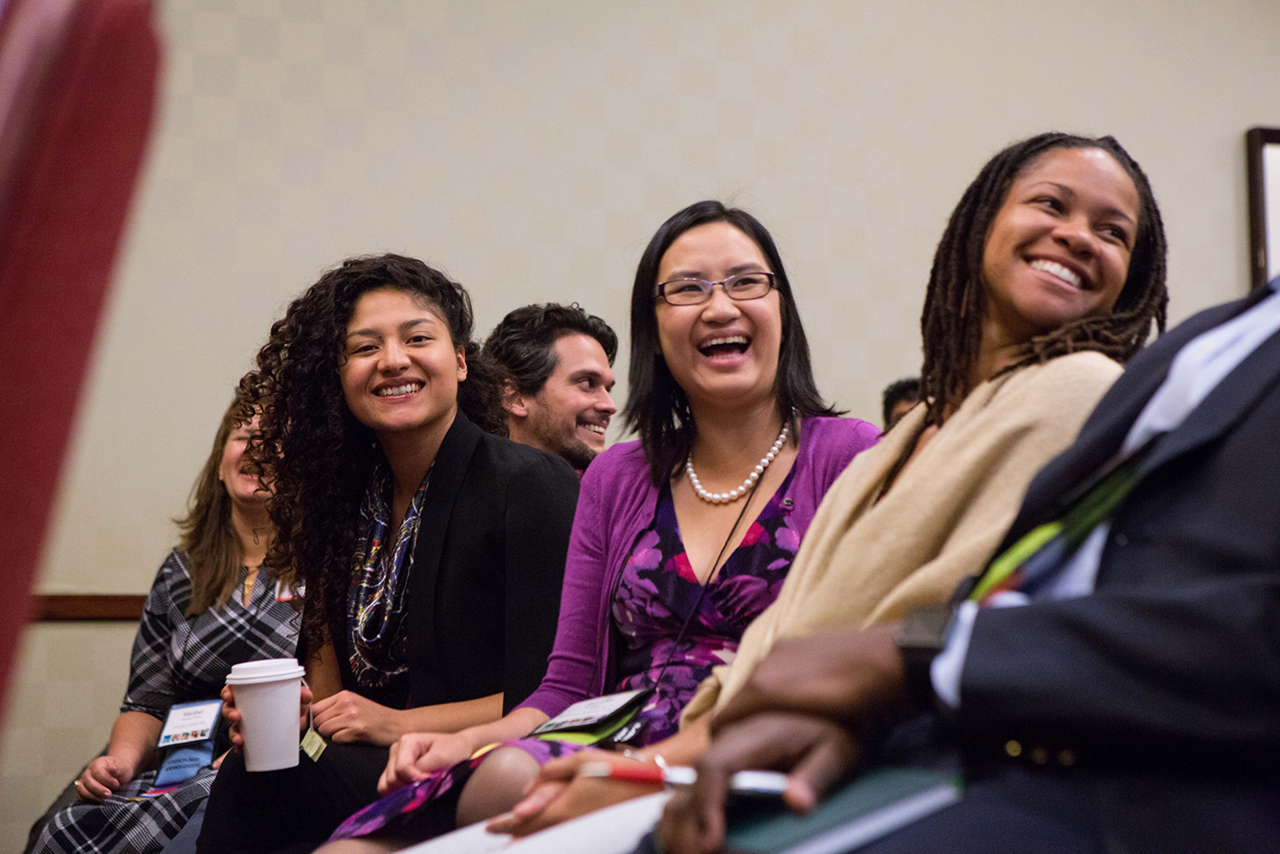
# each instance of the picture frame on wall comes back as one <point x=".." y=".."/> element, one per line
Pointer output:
<point x="1263" y="158"/>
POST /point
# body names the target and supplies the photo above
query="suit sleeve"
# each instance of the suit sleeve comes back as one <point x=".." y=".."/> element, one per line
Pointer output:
<point x="539" y="516"/>
<point x="1178" y="647"/>
<point x="1133" y="667"/>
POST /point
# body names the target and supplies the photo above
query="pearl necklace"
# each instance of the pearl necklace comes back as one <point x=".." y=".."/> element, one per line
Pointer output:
<point x="734" y="494"/>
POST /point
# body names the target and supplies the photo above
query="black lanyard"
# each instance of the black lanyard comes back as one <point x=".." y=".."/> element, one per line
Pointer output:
<point x="629" y="730"/>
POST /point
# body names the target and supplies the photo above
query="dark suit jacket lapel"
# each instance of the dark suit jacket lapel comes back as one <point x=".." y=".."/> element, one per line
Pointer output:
<point x="1106" y="428"/>
<point x="447" y="476"/>
<point x="1225" y="405"/>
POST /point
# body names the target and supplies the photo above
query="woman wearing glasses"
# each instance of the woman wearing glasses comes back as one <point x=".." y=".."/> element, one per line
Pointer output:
<point x="680" y="539"/>
<point x="1049" y="275"/>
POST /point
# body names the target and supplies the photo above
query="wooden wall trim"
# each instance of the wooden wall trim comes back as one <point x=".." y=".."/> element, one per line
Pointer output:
<point x="1256" y="139"/>
<point x="63" y="608"/>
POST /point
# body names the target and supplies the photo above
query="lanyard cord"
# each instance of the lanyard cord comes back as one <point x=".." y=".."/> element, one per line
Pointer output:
<point x="702" y="592"/>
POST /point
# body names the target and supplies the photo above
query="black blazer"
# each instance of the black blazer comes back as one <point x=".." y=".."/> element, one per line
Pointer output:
<point x="1176" y="655"/>
<point x="488" y="565"/>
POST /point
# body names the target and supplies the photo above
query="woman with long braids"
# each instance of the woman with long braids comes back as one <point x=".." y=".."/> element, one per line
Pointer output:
<point x="1049" y="276"/>
<point x="432" y="551"/>
<point x="1050" y="273"/>
<point x="681" y="538"/>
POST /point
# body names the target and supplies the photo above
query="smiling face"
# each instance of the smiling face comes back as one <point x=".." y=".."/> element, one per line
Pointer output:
<point x="724" y="351"/>
<point x="1058" y="249"/>
<point x="241" y="485"/>
<point x="400" y="369"/>
<point x="569" y="414"/>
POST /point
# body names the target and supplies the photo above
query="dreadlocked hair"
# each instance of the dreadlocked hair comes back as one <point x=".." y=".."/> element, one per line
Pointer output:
<point x="955" y="301"/>
<point x="317" y="456"/>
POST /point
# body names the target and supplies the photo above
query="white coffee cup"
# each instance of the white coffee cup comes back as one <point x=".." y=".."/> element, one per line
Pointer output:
<point x="268" y="695"/>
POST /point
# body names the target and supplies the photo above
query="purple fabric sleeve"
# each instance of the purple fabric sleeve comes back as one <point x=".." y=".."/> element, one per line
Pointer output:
<point x="616" y="503"/>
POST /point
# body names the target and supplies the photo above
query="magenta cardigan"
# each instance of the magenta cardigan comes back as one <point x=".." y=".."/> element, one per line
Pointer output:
<point x="617" y="502"/>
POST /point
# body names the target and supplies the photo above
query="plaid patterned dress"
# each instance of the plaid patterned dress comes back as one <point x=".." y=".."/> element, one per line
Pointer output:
<point x="175" y="659"/>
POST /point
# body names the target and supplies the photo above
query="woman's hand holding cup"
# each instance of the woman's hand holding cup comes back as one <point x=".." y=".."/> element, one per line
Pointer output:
<point x="232" y="714"/>
<point x="264" y="696"/>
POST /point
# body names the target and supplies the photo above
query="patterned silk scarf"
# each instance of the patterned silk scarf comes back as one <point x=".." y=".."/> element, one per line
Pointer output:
<point x="379" y="580"/>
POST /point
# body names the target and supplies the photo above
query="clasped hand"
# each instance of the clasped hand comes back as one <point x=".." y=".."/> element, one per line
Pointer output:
<point x="111" y="773"/>
<point x="796" y="714"/>
<point x="105" y="775"/>
<point x="414" y="756"/>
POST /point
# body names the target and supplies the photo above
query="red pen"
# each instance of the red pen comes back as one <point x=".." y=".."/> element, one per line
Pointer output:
<point x="741" y="783"/>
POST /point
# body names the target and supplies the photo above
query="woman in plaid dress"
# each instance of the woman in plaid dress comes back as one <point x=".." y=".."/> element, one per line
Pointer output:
<point x="207" y="610"/>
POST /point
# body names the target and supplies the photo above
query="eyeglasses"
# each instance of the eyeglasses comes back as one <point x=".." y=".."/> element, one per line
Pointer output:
<point x="697" y="291"/>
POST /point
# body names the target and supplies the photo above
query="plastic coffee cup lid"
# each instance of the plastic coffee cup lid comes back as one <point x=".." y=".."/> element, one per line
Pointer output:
<point x="269" y="670"/>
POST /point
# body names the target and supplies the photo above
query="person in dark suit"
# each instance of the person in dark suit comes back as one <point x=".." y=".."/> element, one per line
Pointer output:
<point x="1128" y="698"/>
<point x="432" y="551"/>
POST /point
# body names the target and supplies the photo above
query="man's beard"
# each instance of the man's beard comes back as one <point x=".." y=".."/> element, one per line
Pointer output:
<point x="563" y="443"/>
<point x="578" y="454"/>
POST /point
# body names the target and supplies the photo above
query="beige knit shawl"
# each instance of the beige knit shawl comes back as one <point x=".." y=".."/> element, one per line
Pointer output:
<point x="865" y="562"/>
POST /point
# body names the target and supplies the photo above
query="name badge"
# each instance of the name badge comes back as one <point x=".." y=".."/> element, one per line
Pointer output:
<point x="181" y="764"/>
<point x="187" y="737"/>
<point x="592" y="721"/>
<point x="190" y="722"/>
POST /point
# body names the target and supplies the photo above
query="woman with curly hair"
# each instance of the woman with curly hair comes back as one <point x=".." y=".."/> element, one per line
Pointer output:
<point x="208" y="610"/>
<point x="681" y="538"/>
<point x="1050" y="273"/>
<point x="432" y="551"/>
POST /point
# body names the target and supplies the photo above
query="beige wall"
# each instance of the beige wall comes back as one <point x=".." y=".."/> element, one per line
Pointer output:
<point x="531" y="149"/>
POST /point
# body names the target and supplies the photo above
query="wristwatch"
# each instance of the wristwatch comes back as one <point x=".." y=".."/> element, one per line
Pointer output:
<point x="922" y="635"/>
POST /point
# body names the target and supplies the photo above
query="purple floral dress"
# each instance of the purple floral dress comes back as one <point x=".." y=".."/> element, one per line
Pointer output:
<point x="657" y="592"/>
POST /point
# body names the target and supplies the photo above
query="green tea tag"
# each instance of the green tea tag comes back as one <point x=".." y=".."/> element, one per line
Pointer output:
<point x="312" y="744"/>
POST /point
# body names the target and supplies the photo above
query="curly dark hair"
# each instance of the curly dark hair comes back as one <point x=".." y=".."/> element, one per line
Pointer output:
<point x="318" y="457"/>
<point x="520" y="346"/>
<point x="954" y="304"/>
<point x="657" y="407"/>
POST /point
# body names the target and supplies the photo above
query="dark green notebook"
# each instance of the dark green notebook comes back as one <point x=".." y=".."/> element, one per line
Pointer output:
<point x="874" y="805"/>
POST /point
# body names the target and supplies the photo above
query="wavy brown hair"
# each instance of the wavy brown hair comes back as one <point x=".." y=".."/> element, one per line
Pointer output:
<point x="318" y="457"/>
<point x="522" y="344"/>
<point x="955" y="301"/>
<point x="208" y="536"/>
